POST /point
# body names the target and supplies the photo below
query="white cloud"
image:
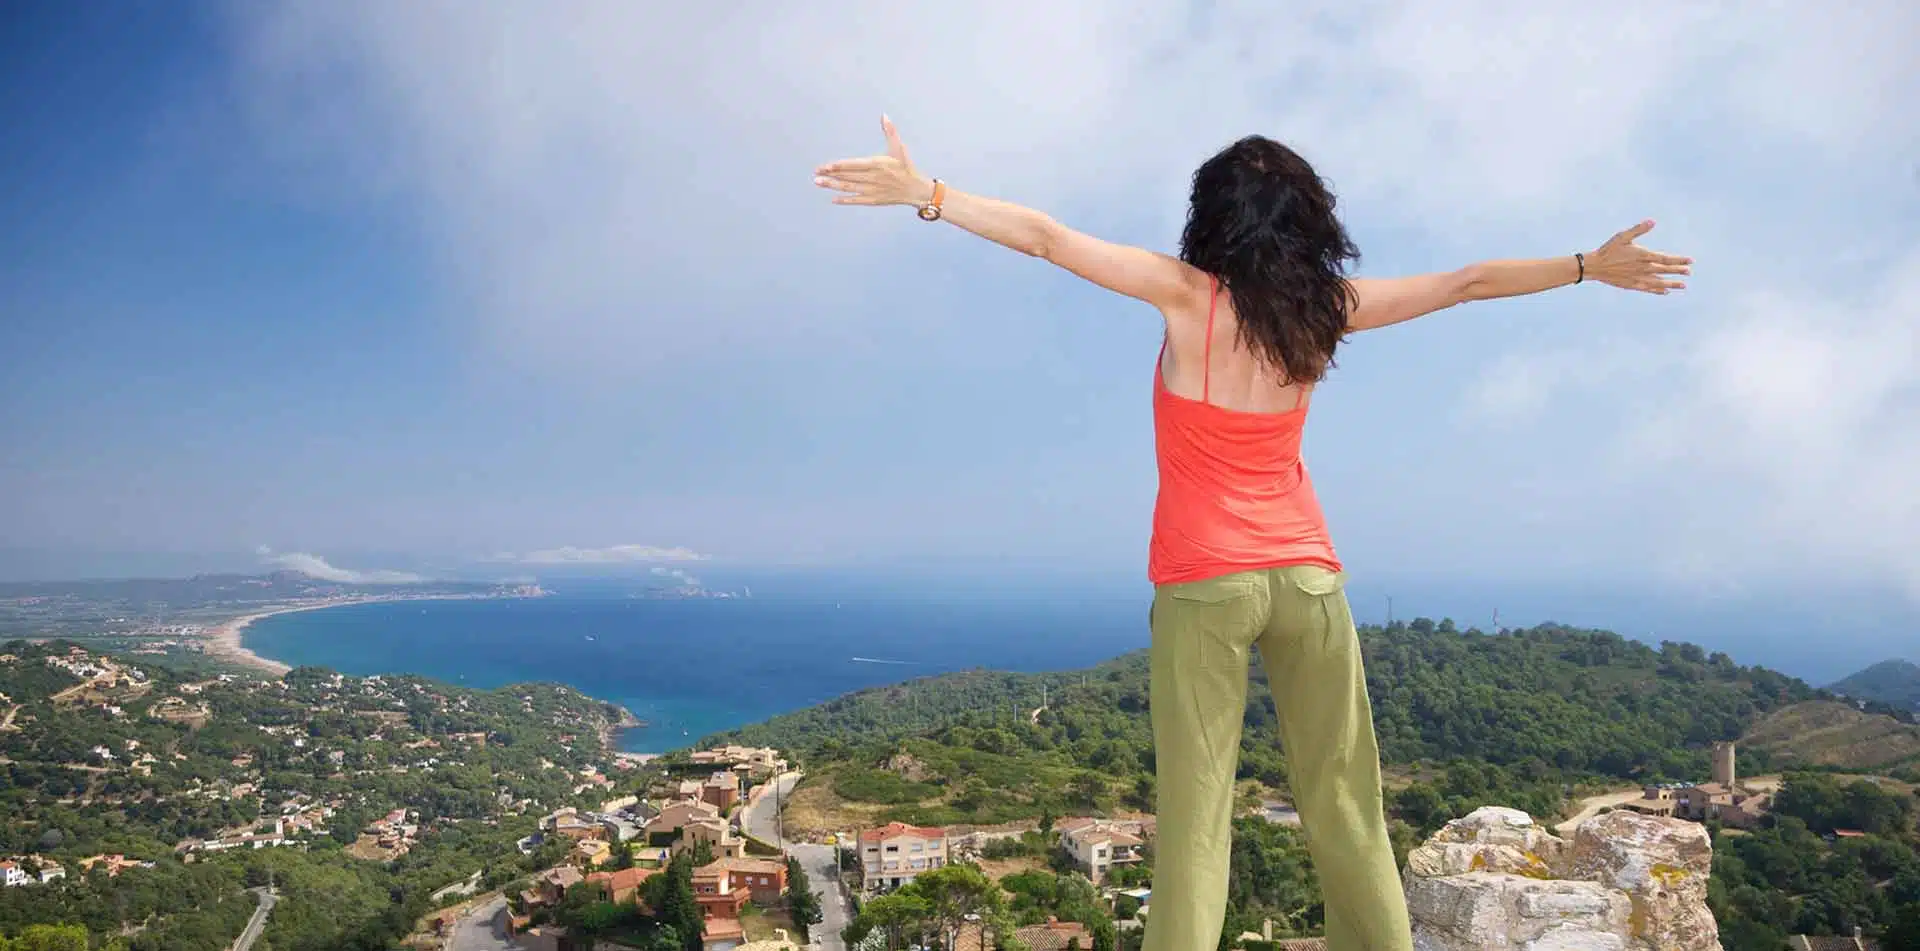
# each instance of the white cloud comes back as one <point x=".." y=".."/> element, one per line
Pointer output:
<point x="677" y="575"/>
<point x="624" y="190"/>
<point x="612" y="555"/>
<point x="314" y="566"/>
<point x="628" y="184"/>
<point x="1780" y="434"/>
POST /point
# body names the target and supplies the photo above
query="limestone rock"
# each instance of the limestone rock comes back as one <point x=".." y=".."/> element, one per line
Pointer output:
<point x="1496" y="880"/>
<point x="1662" y="864"/>
<point x="1496" y="910"/>
<point x="1491" y="839"/>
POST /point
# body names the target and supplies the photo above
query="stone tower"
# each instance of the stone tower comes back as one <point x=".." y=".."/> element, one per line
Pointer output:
<point x="1723" y="771"/>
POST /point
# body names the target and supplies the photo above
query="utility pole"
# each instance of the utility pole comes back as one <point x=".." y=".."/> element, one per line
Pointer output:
<point x="1389" y="610"/>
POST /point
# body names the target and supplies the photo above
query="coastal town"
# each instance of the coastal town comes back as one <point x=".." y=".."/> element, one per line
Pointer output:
<point x="720" y="806"/>
<point x="512" y="821"/>
<point x="207" y="617"/>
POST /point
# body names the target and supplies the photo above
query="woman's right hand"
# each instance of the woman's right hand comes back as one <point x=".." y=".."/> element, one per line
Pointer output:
<point x="888" y="179"/>
<point x="1626" y="265"/>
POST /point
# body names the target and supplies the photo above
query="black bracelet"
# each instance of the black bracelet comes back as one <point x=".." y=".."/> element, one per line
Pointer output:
<point x="1581" y="260"/>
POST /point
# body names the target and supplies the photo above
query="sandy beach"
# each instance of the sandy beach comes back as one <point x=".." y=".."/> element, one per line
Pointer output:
<point x="225" y="641"/>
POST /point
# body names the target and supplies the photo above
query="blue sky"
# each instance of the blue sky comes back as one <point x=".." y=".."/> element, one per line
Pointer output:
<point x="405" y="289"/>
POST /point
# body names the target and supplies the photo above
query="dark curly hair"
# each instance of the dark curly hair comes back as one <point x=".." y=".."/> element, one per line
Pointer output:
<point x="1261" y="220"/>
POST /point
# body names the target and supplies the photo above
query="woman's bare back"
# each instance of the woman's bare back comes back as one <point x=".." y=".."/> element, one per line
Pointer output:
<point x="1226" y="373"/>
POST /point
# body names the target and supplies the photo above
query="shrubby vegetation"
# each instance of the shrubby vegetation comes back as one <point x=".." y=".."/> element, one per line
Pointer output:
<point x="1797" y="877"/>
<point x="1465" y="719"/>
<point x="365" y="746"/>
<point x="1546" y="703"/>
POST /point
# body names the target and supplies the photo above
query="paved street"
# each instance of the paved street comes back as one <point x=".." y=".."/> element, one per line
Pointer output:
<point x="258" y="922"/>
<point x="484" y="929"/>
<point x="824" y="874"/>
<point x="760" y="820"/>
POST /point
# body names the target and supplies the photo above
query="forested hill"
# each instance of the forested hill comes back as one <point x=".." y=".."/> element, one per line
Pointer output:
<point x="1549" y="698"/>
<point x="1895" y="683"/>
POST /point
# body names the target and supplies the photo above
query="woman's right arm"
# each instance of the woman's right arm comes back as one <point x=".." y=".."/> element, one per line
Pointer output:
<point x="1162" y="280"/>
<point x="1382" y="302"/>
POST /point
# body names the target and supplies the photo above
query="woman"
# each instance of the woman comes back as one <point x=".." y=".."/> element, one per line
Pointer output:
<point x="1255" y="305"/>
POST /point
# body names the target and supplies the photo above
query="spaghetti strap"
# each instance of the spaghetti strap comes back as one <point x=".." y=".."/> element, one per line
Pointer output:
<point x="1206" y="359"/>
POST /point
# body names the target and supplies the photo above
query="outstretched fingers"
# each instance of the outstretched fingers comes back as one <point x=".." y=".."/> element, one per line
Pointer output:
<point x="895" y="148"/>
<point x="846" y="167"/>
<point x="1633" y="234"/>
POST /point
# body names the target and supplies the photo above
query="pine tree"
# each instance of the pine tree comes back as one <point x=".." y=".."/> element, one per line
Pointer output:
<point x="678" y="908"/>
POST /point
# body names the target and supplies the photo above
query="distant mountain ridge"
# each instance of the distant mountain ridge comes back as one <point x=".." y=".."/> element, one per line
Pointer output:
<point x="1895" y="683"/>
<point x="213" y="589"/>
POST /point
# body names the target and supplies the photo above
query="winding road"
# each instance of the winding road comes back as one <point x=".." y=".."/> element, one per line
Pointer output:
<point x="1591" y="806"/>
<point x="484" y="929"/>
<point x="761" y="820"/>
<point x="258" y="922"/>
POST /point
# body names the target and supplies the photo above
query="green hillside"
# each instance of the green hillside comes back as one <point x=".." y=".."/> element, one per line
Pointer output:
<point x="1547" y="701"/>
<point x="1830" y="733"/>
<point x="105" y="756"/>
<point x="1465" y="719"/>
<point x="1895" y="683"/>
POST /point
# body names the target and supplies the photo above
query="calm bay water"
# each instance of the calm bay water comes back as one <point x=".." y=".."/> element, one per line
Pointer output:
<point x="693" y="667"/>
<point x="699" y="666"/>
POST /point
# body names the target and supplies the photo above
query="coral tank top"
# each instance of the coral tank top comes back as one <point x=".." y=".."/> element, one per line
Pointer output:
<point x="1234" y="494"/>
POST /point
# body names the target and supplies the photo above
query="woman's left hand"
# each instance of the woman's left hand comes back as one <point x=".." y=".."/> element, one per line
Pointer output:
<point x="1624" y="264"/>
<point x="888" y="179"/>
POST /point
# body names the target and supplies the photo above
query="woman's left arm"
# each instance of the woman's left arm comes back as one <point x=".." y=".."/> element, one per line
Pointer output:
<point x="1158" y="279"/>
<point x="1619" y="262"/>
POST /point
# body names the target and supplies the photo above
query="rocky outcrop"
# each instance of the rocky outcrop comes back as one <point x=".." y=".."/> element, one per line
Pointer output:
<point x="1626" y="882"/>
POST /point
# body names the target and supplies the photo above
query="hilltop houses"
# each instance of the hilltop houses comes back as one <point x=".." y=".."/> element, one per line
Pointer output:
<point x="896" y="853"/>
<point x="621" y="886"/>
<point x="721" y="790"/>
<point x="694" y="821"/>
<point x="1723" y="799"/>
<point x="395" y="832"/>
<point x="113" y="864"/>
<point x="1097" y="845"/>
<point x="18" y="871"/>
<point x="754" y="762"/>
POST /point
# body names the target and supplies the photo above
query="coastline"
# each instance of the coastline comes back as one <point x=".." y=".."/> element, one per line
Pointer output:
<point x="611" y="732"/>
<point x="227" y="639"/>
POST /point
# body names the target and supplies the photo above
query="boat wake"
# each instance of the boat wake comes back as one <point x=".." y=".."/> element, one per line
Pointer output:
<point x="877" y="660"/>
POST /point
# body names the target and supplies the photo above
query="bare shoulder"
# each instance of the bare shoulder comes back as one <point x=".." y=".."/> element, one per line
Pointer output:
<point x="1194" y="289"/>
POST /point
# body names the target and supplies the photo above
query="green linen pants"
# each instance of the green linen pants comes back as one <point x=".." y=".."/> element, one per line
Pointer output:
<point x="1202" y="634"/>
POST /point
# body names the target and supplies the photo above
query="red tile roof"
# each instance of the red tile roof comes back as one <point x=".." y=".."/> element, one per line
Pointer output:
<point x="1056" y="936"/>
<point x="748" y="866"/>
<point x="623" y="879"/>
<point x="718" y="928"/>
<point x="897" y="829"/>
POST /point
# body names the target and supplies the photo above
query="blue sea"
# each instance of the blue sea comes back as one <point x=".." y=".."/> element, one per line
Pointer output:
<point x="694" y="667"/>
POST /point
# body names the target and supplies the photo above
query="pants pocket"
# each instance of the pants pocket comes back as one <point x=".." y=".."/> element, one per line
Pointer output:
<point x="1319" y="597"/>
<point x="1317" y="582"/>
<point x="1214" y="621"/>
